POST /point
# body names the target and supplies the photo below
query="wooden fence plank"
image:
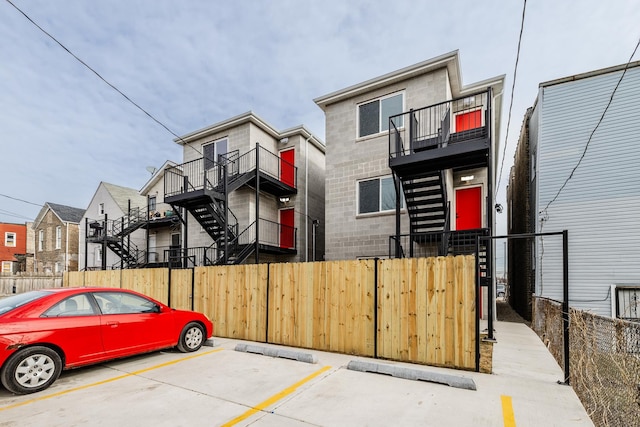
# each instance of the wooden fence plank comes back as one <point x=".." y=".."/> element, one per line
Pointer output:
<point x="181" y="294"/>
<point x="421" y="280"/>
<point x="425" y="308"/>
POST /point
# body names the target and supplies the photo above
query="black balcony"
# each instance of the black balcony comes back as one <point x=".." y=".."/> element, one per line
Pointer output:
<point x="208" y="179"/>
<point x="447" y="135"/>
<point x="274" y="239"/>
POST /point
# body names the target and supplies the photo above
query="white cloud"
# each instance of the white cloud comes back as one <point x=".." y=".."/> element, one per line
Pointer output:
<point x="194" y="63"/>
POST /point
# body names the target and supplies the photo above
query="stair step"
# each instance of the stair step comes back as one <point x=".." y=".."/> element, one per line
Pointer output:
<point x="413" y="184"/>
<point x="423" y="193"/>
<point x="430" y="222"/>
<point x="425" y="208"/>
<point x="430" y="219"/>
<point x="427" y="230"/>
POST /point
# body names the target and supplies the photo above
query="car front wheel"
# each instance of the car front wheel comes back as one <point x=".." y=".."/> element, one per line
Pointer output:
<point x="31" y="369"/>
<point x="191" y="338"/>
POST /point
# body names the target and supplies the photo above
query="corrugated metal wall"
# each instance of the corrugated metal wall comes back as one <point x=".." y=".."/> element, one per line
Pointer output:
<point x="600" y="204"/>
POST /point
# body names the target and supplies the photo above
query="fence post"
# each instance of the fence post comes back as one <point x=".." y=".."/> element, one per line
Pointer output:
<point x="169" y="286"/>
<point x="565" y="303"/>
<point x="266" y="321"/>
<point x="375" y="308"/>
<point x="478" y="302"/>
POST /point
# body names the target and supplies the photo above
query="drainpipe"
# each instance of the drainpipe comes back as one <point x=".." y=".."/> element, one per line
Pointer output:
<point x="86" y="243"/>
<point x="306" y="200"/>
<point x="66" y="250"/>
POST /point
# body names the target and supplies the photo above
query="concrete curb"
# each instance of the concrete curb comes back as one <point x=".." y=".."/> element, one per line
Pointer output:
<point x="211" y="343"/>
<point x="274" y="352"/>
<point x="412" y="374"/>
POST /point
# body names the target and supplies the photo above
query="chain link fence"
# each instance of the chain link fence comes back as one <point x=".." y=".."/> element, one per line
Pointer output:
<point x="604" y="360"/>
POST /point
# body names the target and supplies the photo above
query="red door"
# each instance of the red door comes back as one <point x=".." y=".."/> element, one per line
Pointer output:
<point x="470" y="120"/>
<point x="287" y="168"/>
<point x="469" y="208"/>
<point x="287" y="234"/>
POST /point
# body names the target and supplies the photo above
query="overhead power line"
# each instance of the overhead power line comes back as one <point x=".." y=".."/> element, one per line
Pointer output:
<point x="513" y="85"/>
<point x="20" y="200"/>
<point x="102" y="78"/>
<point x="13" y="214"/>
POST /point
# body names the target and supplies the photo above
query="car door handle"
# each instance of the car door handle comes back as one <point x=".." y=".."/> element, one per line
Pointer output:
<point x="113" y="324"/>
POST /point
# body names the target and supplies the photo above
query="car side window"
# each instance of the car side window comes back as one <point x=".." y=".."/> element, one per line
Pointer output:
<point x="123" y="303"/>
<point x="76" y="305"/>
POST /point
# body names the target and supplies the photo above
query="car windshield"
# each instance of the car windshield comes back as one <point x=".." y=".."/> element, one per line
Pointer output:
<point x="13" y="302"/>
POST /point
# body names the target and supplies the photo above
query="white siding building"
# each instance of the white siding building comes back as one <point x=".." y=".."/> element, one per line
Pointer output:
<point x="584" y="148"/>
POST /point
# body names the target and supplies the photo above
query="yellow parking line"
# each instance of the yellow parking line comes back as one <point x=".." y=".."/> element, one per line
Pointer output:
<point x="273" y="399"/>
<point x="82" y="387"/>
<point x="507" y="412"/>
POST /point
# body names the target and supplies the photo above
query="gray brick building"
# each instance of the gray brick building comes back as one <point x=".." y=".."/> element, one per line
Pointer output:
<point x="435" y="130"/>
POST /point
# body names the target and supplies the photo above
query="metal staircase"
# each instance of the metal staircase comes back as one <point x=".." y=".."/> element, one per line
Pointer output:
<point x="130" y="255"/>
<point x="426" y="200"/>
<point x="203" y="187"/>
<point x="132" y="221"/>
<point x="115" y="234"/>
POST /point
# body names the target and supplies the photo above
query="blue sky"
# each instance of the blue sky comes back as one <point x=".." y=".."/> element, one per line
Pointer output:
<point x="195" y="63"/>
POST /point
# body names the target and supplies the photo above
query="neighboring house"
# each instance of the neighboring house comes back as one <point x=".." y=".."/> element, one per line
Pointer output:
<point x="31" y="248"/>
<point x="13" y="247"/>
<point x="163" y="226"/>
<point x="597" y="202"/>
<point x="106" y="236"/>
<point x="421" y="130"/>
<point x="56" y="238"/>
<point x="247" y="192"/>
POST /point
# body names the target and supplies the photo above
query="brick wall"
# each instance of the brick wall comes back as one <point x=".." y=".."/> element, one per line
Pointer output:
<point x="350" y="159"/>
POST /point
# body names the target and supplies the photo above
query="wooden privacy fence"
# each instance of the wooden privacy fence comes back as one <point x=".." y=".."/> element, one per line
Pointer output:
<point x="17" y="284"/>
<point x="420" y="310"/>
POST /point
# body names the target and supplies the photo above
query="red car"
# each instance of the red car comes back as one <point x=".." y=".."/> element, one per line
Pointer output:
<point x="43" y="332"/>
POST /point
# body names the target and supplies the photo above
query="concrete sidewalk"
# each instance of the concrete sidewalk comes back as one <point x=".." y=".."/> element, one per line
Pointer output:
<point x="522" y="391"/>
<point x="268" y="386"/>
<point x="525" y="370"/>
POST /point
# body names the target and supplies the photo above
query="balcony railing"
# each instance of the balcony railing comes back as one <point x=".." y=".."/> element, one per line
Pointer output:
<point x="206" y="174"/>
<point x="439" y="243"/>
<point x="439" y="125"/>
<point x="272" y="234"/>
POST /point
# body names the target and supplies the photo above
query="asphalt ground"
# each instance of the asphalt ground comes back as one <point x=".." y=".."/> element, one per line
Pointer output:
<point x="220" y="386"/>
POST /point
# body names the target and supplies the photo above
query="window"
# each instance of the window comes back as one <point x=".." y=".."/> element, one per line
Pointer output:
<point x="101" y="209"/>
<point x="533" y="166"/>
<point x="57" y="268"/>
<point x="77" y="305"/>
<point x="211" y="152"/>
<point x="122" y="302"/>
<point x="152" y="203"/>
<point x="58" y="237"/>
<point x="10" y="239"/>
<point x="377" y="195"/>
<point x="373" y="116"/>
<point x="40" y="239"/>
<point x="627" y="302"/>
<point x="7" y="267"/>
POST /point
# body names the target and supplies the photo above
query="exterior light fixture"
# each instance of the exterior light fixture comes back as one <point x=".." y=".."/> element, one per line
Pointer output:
<point x="284" y="199"/>
<point x="467" y="178"/>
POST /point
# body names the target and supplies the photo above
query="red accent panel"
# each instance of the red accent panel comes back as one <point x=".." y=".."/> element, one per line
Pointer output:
<point x="286" y="228"/>
<point x="469" y="120"/>
<point x="468" y="208"/>
<point x="7" y="252"/>
<point x="287" y="169"/>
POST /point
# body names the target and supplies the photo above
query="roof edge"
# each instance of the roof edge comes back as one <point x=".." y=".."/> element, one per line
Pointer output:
<point x="250" y="117"/>
<point x="588" y="74"/>
<point x="451" y="58"/>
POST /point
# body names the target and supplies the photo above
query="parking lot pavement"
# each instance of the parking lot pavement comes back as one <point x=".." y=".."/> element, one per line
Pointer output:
<point x="219" y="386"/>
